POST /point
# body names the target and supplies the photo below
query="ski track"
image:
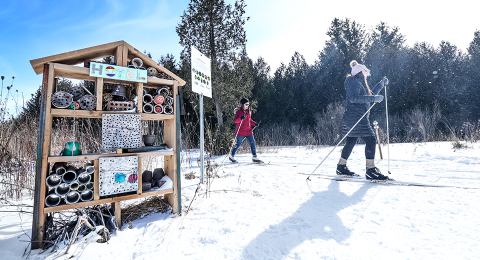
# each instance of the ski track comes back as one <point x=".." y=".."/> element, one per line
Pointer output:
<point x="272" y="212"/>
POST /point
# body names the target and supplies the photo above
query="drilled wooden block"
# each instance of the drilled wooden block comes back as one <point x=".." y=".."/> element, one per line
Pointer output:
<point x="121" y="131"/>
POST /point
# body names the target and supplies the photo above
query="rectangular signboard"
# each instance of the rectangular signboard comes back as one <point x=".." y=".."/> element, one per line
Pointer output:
<point x="117" y="72"/>
<point x="201" y="74"/>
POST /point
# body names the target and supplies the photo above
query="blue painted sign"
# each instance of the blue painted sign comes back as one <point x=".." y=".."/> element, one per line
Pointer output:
<point x="117" y="72"/>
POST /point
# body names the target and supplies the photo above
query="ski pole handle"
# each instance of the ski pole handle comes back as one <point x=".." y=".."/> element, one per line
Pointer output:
<point x="256" y="125"/>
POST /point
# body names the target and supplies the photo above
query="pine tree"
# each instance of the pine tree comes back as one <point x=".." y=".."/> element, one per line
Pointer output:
<point x="216" y="30"/>
<point x="385" y="56"/>
<point x="474" y="77"/>
<point x="346" y="43"/>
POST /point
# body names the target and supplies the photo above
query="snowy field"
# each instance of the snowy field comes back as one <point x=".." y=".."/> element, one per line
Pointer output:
<point x="271" y="212"/>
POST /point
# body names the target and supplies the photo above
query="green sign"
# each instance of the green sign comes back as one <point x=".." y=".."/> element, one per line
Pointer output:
<point x="117" y="72"/>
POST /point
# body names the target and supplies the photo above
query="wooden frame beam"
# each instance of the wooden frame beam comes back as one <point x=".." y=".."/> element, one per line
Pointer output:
<point x="106" y="200"/>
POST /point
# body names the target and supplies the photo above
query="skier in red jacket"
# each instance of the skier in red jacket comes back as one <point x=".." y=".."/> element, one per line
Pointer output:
<point x="244" y="129"/>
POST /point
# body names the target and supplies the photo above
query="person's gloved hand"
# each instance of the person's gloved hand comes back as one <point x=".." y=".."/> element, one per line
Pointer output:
<point x="258" y="124"/>
<point x="378" y="98"/>
<point x="242" y="117"/>
<point x="385" y="81"/>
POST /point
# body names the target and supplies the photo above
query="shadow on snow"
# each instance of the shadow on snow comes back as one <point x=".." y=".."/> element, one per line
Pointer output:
<point x="317" y="218"/>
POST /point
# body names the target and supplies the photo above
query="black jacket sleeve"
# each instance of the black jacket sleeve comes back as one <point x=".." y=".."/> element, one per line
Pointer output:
<point x="378" y="87"/>
<point x="355" y="94"/>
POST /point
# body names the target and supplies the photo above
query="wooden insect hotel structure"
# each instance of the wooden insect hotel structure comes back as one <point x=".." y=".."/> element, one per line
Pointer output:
<point x="114" y="174"/>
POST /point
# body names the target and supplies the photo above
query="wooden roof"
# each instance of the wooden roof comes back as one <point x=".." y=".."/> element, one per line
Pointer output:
<point x="121" y="50"/>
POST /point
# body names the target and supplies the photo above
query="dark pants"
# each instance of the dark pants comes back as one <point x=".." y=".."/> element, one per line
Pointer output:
<point x="370" y="143"/>
<point x="239" y="142"/>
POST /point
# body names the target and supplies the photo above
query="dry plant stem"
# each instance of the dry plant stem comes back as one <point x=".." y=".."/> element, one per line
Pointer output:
<point x="190" y="205"/>
<point x="80" y="222"/>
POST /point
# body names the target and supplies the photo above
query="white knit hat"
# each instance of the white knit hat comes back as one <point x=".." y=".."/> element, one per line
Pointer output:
<point x="357" y="68"/>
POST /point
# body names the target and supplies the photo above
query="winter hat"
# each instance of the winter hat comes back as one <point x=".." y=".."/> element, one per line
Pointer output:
<point x="243" y="101"/>
<point x="356" y="68"/>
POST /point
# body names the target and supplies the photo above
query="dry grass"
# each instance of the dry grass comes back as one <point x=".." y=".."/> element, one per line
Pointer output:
<point x="144" y="208"/>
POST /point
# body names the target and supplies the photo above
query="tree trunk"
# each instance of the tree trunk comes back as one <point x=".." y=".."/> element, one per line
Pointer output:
<point x="218" y="108"/>
<point x="214" y="64"/>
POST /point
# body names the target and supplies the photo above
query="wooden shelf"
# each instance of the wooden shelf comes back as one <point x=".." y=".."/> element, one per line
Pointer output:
<point x="85" y="157"/>
<point x="146" y="116"/>
<point x="66" y="112"/>
<point x="107" y="200"/>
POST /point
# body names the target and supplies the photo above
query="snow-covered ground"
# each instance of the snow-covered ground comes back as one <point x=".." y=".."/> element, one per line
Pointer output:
<point x="272" y="212"/>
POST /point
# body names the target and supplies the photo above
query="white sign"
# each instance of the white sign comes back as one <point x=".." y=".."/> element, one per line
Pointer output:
<point x="201" y="74"/>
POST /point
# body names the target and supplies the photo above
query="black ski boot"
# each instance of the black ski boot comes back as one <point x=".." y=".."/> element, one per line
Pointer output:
<point x="343" y="170"/>
<point x="256" y="160"/>
<point x="232" y="158"/>
<point x="374" y="174"/>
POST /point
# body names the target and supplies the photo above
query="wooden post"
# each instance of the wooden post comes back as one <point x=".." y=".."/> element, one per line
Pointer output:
<point x="118" y="212"/>
<point x="124" y="56"/>
<point x="139" y="86"/>
<point x="139" y="174"/>
<point x="170" y="162"/>
<point x="99" y="92"/>
<point x="43" y="151"/>
<point x="119" y="55"/>
<point x="96" y="180"/>
<point x="38" y="170"/>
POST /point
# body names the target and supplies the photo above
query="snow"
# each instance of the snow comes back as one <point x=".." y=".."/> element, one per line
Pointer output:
<point x="271" y="212"/>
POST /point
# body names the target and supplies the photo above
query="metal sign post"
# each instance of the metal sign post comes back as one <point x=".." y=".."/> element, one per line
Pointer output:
<point x="202" y="141"/>
<point x="201" y="84"/>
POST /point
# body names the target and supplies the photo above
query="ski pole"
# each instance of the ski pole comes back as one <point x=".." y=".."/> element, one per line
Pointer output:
<point x="256" y="126"/>
<point x="231" y="147"/>
<point x="388" y="132"/>
<point x="308" y="178"/>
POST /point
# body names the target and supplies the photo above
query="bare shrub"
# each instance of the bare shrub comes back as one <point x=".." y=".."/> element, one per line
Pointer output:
<point x="276" y="135"/>
<point x="18" y="142"/>
<point x="470" y="131"/>
<point x="422" y="123"/>
<point x="458" y="145"/>
<point x="329" y="123"/>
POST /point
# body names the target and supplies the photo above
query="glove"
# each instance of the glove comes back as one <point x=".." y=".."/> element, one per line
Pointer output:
<point x="258" y="124"/>
<point x="385" y="81"/>
<point x="377" y="98"/>
<point x="242" y="117"/>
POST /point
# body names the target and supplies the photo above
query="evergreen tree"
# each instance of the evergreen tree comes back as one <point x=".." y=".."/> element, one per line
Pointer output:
<point x="32" y="108"/>
<point x="215" y="29"/>
<point x="263" y="91"/>
<point x="449" y="81"/>
<point x="473" y="65"/>
<point x="346" y="43"/>
<point x="168" y="62"/>
<point x="385" y="56"/>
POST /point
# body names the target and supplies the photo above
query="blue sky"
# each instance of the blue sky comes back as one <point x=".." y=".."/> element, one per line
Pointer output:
<point x="276" y="29"/>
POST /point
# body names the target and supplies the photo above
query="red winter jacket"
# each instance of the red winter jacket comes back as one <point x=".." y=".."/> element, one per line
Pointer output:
<point x="245" y="128"/>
